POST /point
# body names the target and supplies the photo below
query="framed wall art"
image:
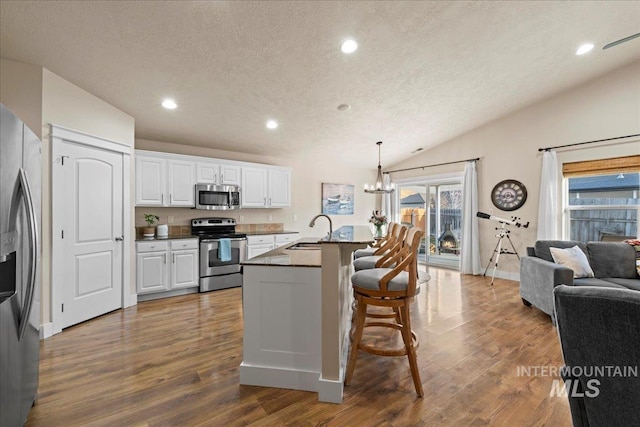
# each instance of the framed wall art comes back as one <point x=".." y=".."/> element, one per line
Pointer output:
<point x="337" y="199"/>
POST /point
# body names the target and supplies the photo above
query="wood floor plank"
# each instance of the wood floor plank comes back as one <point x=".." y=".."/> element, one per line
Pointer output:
<point x="175" y="362"/>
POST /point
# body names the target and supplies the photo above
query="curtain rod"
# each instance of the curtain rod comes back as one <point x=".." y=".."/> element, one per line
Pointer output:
<point x="430" y="166"/>
<point x="587" y="142"/>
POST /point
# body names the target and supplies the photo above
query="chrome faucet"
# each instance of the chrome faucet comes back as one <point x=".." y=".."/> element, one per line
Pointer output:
<point x="313" y="222"/>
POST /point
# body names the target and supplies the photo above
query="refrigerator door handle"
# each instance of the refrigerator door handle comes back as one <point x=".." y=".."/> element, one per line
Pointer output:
<point x="33" y="248"/>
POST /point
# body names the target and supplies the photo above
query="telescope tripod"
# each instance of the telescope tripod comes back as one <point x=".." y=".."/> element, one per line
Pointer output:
<point x="502" y="233"/>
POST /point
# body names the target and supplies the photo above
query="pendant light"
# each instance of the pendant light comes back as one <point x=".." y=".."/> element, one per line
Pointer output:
<point x="379" y="187"/>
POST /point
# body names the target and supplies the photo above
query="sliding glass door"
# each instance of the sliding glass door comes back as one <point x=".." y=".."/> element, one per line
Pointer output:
<point x="435" y="207"/>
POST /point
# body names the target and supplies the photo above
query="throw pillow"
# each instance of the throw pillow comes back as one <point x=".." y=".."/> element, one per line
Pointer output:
<point x="574" y="259"/>
<point x="636" y="245"/>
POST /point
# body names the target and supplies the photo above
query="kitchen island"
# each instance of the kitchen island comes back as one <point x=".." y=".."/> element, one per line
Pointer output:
<point x="297" y="314"/>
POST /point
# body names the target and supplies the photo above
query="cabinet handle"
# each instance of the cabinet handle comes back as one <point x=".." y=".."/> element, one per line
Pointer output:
<point x="221" y="178"/>
<point x="164" y="257"/>
<point x="170" y="198"/>
<point x="174" y="258"/>
<point x="215" y="178"/>
<point x="265" y="201"/>
<point x="269" y="201"/>
<point x="162" y="198"/>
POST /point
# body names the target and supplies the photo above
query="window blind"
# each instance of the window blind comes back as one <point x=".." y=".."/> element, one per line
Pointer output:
<point x="602" y="166"/>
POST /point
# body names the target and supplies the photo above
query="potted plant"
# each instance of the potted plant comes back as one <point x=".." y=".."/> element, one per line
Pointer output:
<point x="150" y="230"/>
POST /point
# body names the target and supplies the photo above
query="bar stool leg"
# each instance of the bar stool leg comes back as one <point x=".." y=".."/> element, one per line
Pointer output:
<point x="411" y="351"/>
<point x="361" y="314"/>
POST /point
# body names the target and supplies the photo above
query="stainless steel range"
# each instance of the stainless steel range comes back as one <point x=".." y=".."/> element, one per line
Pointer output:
<point x="221" y="252"/>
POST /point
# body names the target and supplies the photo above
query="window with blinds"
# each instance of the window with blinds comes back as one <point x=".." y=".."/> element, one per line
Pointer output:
<point x="602" y="199"/>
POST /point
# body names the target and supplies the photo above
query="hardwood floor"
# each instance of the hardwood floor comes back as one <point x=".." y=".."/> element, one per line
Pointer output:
<point x="175" y="362"/>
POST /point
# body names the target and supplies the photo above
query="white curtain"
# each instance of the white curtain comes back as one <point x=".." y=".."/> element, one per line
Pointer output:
<point x="470" y="256"/>
<point x="387" y="199"/>
<point x="548" y="205"/>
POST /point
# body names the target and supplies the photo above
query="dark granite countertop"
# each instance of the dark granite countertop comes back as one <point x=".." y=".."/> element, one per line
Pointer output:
<point x="350" y="234"/>
<point x="262" y="233"/>
<point x="285" y="257"/>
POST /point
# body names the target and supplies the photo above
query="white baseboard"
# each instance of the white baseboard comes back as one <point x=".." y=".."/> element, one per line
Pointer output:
<point x="508" y="275"/>
<point x="330" y="390"/>
<point x="46" y="330"/>
<point x="268" y="376"/>
<point x="133" y="300"/>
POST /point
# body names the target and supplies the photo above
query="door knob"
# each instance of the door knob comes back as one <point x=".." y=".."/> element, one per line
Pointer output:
<point x="119" y="239"/>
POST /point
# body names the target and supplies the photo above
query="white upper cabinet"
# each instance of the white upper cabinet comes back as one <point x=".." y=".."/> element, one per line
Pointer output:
<point x="213" y="173"/>
<point x="266" y="188"/>
<point x="150" y="181"/>
<point x="279" y="188"/>
<point x="207" y="173"/>
<point x="164" y="179"/>
<point x="181" y="182"/>
<point x="162" y="182"/>
<point x="254" y="188"/>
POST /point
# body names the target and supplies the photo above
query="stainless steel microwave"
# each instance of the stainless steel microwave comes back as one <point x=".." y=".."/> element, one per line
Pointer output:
<point x="217" y="197"/>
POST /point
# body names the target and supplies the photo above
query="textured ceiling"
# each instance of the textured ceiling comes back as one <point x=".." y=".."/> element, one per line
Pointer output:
<point x="424" y="71"/>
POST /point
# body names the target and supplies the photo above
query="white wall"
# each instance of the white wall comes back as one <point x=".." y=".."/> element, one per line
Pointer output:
<point x="21" y="92"/>
<point x="65" y="104"/>
<point x="40" y="98"/>
<point x="508" y="147"/>
<point x="306" y="191"/>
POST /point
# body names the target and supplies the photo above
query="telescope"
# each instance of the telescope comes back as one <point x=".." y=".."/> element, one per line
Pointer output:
<point x="513" y="221"/>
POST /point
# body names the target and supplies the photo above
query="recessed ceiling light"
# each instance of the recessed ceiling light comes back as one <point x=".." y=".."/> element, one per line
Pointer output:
<point x="169" y="104"/>
<point x="584" y="49"/>
<point x="272" y="124"/>
<point x="349" y="46"/>
<point x="344" y="107"/>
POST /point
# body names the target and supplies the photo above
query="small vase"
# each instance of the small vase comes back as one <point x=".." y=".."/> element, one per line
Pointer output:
<point x="379" y="232"/>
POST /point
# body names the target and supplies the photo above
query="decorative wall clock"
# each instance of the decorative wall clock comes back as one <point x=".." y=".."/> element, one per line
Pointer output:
<point x="509" y="195"/>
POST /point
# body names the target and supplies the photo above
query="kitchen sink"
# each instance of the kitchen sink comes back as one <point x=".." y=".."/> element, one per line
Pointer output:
<point x="305" y="246"/>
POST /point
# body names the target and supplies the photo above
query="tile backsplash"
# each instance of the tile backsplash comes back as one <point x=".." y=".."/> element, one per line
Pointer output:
<point x="185" y="230"/>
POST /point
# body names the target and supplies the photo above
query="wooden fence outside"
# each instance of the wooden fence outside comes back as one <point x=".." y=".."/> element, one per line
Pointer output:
<point x="592" y="225"/>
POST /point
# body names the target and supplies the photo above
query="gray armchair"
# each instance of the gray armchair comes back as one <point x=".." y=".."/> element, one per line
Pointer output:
<point x="599" y="327"/>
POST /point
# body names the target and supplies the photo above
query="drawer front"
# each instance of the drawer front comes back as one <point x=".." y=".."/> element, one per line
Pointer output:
<point x="286" y="238"/>
<point x="153" y="246"/>
<point x="184" y="244"/>
<point x="260" y="240"/>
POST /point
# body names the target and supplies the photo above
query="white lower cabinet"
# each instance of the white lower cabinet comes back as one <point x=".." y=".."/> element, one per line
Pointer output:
<point x="164" y="266"/>
<point x="257" y="245"/>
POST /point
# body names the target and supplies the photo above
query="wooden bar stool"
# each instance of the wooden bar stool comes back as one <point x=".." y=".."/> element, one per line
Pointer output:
<point x="388" y="287"/>
<point x="375" y="248"/>
<point x="391" y="246"/>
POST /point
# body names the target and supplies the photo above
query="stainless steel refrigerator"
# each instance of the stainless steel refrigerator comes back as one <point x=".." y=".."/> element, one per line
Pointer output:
<point x="20" y="183"/>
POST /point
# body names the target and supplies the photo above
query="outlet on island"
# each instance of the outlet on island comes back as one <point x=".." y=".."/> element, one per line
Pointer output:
<point x="241" y="219"/>
<point x="170" y="219"/>
<point x="269" y="218"/>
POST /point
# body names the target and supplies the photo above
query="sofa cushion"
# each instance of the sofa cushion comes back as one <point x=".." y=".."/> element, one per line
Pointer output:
<point x="574" y="259"/>
<point x="542" y="247"/>
<point x="627" y="283"/>
<point x="612" y="259"/>
<point x="592" y="281"/>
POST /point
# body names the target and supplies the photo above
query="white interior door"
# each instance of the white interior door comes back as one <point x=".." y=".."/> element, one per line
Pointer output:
<point x="92" y="230"/>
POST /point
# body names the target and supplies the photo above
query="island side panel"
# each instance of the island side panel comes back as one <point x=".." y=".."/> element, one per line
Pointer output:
<point x="336" y="317"/>
<point x="282" y="328"/>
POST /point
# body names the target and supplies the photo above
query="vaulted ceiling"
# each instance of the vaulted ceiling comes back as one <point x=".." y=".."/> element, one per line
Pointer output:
<point x="424" y="72"/>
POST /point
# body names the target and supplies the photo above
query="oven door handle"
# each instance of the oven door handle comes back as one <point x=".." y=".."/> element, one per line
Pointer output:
<point x="239" y="239"/>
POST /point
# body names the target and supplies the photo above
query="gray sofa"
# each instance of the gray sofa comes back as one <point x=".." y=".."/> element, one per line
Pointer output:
<point x="613" y="265"/>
